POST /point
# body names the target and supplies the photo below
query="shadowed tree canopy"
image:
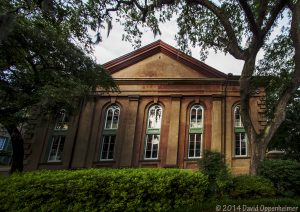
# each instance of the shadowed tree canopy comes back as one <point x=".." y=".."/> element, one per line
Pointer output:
<point x="44" y="60"/>
<point x="241" y="28"/>
<point x="278" y="66"/>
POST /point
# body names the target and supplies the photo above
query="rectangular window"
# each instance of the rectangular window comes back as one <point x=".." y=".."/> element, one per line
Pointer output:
<point x="2" y="142"/>
<point x="195" y="140"/>
<point x="240" y="144"/>
<point x="57" y="146"/>
<point x="108" y="145"/>
<point x="152" y="146"/>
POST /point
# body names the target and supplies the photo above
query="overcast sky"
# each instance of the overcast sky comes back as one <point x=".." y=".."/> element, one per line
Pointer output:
<point x="113" y="47"/>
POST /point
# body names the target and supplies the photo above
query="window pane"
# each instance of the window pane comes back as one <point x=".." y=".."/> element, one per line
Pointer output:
<point x="2" y="142"/>
<point x="152" y="146"/>
<point x="115" y="119"/>
<point x="62" y="121"/>
<point x="154" y="154"/>
<point x="148" y="154"/>
<point x="191" y="153"/>
<point x="237" y="117"/>
<point x="193" y="118"/>
<point x="60" y="148"/>
<point x="108" y="146"/>
<point x="196" y="117"/>
<point x="57" y="147"/>
<point x="109" y="117"/>
<point x="112" y="117"/>
<point x="198" y="153"/>
<point x="199" y="118"/>
<point x="154" y="117"/>
<point x="194" y="145"/>
<point x="240" y="144"/>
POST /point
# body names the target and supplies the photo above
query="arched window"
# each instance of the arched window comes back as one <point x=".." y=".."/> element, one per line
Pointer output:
<point x="112" y="117"/>
<point x="237" y="117"/>
<point x="153" y="132"/>
<point x="240" y="138"/>
<point x="62" y="120"/>
<point x="109" y="132"/>
<point x="195" y="132"/>
<point x="58" y="138"/>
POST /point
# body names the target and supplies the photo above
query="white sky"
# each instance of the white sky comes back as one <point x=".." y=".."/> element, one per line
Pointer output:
<point x="113" y="47"/>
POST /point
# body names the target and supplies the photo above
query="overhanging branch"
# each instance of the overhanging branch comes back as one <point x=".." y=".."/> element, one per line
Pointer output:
<point x="250" y="18"/>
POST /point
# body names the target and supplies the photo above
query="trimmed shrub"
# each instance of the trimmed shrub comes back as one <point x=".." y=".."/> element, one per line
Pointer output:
<point x="212" y="164"/>
<point x="102" y="190"/>
<point x="220" y="180"/>
<point x="252" y="187"/>
<point x="285" y="175"/>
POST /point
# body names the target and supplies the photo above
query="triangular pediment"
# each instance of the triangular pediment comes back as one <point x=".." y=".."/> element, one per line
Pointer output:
<point x="159" y="60"/>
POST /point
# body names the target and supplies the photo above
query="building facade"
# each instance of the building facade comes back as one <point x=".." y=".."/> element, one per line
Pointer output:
<point x="169" y="109"/>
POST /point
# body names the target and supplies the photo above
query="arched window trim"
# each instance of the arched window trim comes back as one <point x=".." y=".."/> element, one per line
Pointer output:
<point x="109" y="134"/>
<point x="196" y="107"/>
<point x="113" y="109"/>
<point x="152" y="138"/>
<point x="237" y="122"/>
<point x="240" y="137"/>
<point x="195" y="135"/>
<point x="62" y="122"/>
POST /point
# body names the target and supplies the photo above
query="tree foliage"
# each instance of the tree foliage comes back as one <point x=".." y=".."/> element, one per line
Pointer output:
<point x="44" y="60"/>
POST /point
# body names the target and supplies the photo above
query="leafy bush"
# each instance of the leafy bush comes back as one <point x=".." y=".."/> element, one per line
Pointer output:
<point x="252" y="187"/>
<point x="285" y="175"/>
<point x="220" y="180"/>
<point x="212" y="164"/>
<point x="102" y="190"/>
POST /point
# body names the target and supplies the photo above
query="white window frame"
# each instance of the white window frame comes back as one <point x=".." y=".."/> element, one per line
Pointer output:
<point x="239" y="129"/>
<point x="57" y="149"/>
<point x="195" y="157"/>
<point x="152" y="149"/>
<point x="238" y="123"/>
<point x="153" y="131"/>
<point x="110" y="131"/>
<point x="107" y="152"/>
<point x="240" y="143"/>
<point x="196" y="130"/>
<point x="112" y="108"/>
<point x="62" y="119"/>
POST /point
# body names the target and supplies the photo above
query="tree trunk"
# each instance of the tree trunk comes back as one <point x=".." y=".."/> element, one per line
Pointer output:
<point x="18" y="148"/>
<point x="258" y="149"/>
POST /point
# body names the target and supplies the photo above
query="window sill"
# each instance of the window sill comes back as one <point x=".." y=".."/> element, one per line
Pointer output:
<point x="105" y="161"/>
<point x="51" y="163"/>
<point x="241" y="157"/>
<point x="149" y="160"/>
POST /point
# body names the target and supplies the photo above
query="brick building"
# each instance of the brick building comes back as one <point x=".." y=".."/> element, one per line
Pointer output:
<point x="170" y="107"/>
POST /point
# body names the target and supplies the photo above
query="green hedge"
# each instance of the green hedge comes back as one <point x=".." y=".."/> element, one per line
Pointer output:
<point x="252" y="187"/>
<point x="102" y="190"/>
<point x="285" y="174"/>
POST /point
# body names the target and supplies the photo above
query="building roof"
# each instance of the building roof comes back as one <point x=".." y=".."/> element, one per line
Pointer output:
<point x="161" y="47"/>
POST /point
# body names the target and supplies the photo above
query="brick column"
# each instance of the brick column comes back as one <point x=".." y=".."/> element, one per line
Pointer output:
<point x="172" y="148"/>
<point x="216" y="139"/>
<point x="127" y="142"/>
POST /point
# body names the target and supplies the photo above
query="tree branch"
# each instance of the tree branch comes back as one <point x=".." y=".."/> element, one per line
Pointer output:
<point x="273" y="15"/>
<point x="262" y="12"/>
<point x="250" y="18"/>
<point x="233" y="46"/>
